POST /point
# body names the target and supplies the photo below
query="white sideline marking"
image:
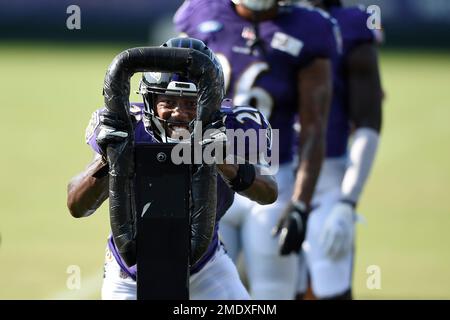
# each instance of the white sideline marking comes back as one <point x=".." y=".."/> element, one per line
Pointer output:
<point x="89" y="286"/>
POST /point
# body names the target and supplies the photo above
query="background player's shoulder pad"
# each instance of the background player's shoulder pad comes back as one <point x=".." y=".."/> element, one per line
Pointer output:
<point x="182" y="15"/>
<point x="325" y="38"/>
<point x="322" y="21"/>
<point x="190" y="18"/>
<point x="322" y="12"/>
<point x="356" y="24"/>
<point x="358" y="14"/>
<point x="308" y="12"/>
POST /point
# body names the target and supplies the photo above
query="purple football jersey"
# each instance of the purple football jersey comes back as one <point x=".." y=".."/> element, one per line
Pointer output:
<point x="264" y="76"/>
<point x="353" y="25"/>
<point x="352" y="22"/>
<point x="235" y="118"/>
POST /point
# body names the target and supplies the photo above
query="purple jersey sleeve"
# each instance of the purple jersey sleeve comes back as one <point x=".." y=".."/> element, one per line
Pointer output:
<point x="353" y="24"/>
<point x="255" y="137"/>
<point x="198" y="18"/>
<point x="182" y="20"/>
<point x="325" y="41"/>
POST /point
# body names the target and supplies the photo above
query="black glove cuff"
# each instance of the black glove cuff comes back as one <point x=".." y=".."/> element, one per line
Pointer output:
<point x="245" y="176"/>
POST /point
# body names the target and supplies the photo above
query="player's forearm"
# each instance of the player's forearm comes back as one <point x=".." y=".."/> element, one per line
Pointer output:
<point x="263" y="190"/>
<point x="361" y="158"/>
<point x="311" y="159"/>
<point x="365" y="89"/>
<point x="87" y="191"/>
<point x="315" y="89"/>
<point x="365" y="104"/>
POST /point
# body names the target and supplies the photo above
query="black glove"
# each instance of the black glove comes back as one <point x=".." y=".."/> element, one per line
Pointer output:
<point x="291" y="228"/>
<point x="112" y="130"/>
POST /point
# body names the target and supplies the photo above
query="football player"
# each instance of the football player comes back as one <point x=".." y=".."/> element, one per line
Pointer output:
<point x="169" y="108"/>
<point x="276" y="58"/>
<point x="355" y="113"/>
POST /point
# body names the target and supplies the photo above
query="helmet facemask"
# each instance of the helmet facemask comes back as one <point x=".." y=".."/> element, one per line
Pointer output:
<point x="155" y="86"/>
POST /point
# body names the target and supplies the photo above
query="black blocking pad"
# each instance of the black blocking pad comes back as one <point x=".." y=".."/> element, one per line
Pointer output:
<point x="162" y="191"/>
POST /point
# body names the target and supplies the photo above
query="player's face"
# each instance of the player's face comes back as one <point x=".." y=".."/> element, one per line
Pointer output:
<point x="177" y="111"/>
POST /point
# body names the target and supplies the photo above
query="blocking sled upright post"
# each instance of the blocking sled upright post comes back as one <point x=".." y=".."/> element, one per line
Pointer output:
<point x="162" y="191"/>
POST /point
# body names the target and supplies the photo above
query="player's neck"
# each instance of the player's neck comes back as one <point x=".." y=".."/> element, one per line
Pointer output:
<point x="249" y="15"/>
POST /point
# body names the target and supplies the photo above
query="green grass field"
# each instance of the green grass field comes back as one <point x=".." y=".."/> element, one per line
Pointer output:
<point x="47" y="95"/>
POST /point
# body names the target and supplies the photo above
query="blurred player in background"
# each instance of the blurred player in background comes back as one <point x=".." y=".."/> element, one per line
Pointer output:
<point x="275" y="58"/>
<point x="328" y="250"/>
<point x="169" y="108"/>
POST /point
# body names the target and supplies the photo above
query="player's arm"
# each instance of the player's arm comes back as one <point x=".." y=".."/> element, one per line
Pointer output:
<point x="315" y="90"/>
<point x="365" y="101"/>
<point x="89" y="189"/>
<point x="254" y="181"/>
<point x="365" y="90"/>
<point x="365" y="96"/>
